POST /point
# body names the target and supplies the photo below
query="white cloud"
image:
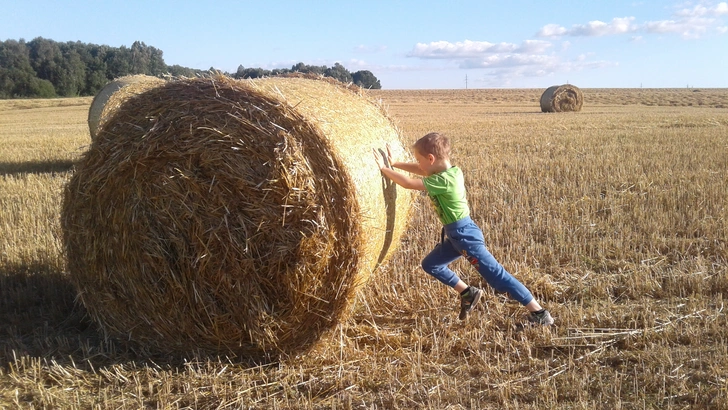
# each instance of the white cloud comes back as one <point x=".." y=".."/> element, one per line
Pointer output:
<point x="355" y="64"/>
<point x="701" y="11"/>
<point x="688" y="22"/>
<point x="551" y="30"/>
<point x="505" y="76"/>
<point x="721" y="9"/>
<point x="688" y="29"/>
<point x="505" y="62"/>
<point x="694" y="27"/>
<point x="533" y="46"/>
<point x="509" y="60"/>
<point x="474" y="49"/>
<point x="460" y="49"/>
<point x="619" y="25"/>
<point x="596" y="28"/>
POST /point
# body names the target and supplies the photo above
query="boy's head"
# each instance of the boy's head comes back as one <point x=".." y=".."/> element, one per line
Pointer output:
<point x="432" y="153"/>
<point x="434" y="144"/>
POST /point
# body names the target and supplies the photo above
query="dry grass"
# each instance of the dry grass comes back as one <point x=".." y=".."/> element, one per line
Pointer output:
<point x="524" y="97"/>
<point x="616" y="217"/>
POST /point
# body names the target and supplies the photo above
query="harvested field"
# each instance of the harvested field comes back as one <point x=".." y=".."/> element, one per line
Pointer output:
<point x="651" y="97"/>
<point x="616" y="217"/>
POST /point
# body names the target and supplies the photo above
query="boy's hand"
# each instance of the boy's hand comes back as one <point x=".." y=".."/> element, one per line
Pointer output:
<point x="384" y="160"/>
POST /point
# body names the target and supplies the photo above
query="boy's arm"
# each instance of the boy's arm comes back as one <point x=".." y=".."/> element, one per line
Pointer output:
<point x="410" y="167"/>
<point x="398" y="178"/>
<point x="403" y="180"/>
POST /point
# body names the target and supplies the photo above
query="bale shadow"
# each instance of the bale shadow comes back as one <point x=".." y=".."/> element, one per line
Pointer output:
<point x="389" y="189"/>
<point x="40" y="318"/>
<point x="35" y="167"/>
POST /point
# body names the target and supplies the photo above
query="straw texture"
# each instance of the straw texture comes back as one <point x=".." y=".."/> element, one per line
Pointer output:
<point x="562" y="98"/>
<point x="235" y="216"/>
<point x="113" y="94"/>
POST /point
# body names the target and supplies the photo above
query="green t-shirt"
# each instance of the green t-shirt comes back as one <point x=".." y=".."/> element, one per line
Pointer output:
<point x="447" y="192"/>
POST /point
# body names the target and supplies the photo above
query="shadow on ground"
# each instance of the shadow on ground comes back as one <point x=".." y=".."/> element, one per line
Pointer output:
<point x="35" y="167"/>
<point x="40" y="318"/>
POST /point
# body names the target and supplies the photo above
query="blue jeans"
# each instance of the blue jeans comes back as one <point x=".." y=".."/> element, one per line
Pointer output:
<point x="464" y="238"/>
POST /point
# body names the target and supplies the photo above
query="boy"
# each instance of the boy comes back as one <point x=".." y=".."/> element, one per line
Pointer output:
<point x="445" y="186"/>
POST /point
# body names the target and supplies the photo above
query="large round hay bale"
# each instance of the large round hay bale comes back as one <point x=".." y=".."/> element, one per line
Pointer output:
<point x="232" y="215"/>
<point x="113" y="94"/>
<point x="562" y="98"/>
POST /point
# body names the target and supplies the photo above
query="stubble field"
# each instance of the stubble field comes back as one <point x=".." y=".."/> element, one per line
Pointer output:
<point x="615" y="217"/>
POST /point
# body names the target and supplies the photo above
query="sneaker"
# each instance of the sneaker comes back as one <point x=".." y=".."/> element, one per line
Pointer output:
<point x="468" y="301"/>
<point x="544" y="318"/>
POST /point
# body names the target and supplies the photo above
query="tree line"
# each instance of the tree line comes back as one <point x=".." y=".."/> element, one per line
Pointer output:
<point x="44" y="68"/>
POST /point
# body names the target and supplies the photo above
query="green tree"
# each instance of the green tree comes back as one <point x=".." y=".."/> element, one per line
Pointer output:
<point x="157" y="66"/>
<point x="72" y="70"/>
<point x="252" y="73"/>
<point x="45" y="57"/>
<point x="118" y="62"/>
<point x="17" y="77"/>
<point x="45" y="68"/>
<point x="279" y="71"/>
<point x="146" y="60"/>
<point x="308" y="69"/>
<point x="179" y="71"/>
<point x="40" y="88"/>
<point x="140" y="58"/>
<point x="96" y="69"/>
<point x="365" y="79"/>
<point x="338" y="72"/>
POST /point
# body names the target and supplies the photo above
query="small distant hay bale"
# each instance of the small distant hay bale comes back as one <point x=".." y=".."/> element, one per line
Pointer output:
<point x="113" y="94"/>
<point x="562" y="98"/>
<point x="233" y="216"/>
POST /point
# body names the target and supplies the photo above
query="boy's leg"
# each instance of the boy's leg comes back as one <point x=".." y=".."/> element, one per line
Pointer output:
<point x="436" y="263"/>
<point x="497" y="276"/>
<point x="473" y="249"/>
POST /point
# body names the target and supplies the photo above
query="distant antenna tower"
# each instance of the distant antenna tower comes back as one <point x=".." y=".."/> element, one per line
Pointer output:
<point x="466" y="81"/>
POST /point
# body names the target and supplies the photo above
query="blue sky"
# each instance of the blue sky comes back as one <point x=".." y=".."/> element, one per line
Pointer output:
<point x="412" y="44"/>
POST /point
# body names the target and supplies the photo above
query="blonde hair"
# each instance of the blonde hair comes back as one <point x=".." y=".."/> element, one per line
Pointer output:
<point x="433" y="143"/>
